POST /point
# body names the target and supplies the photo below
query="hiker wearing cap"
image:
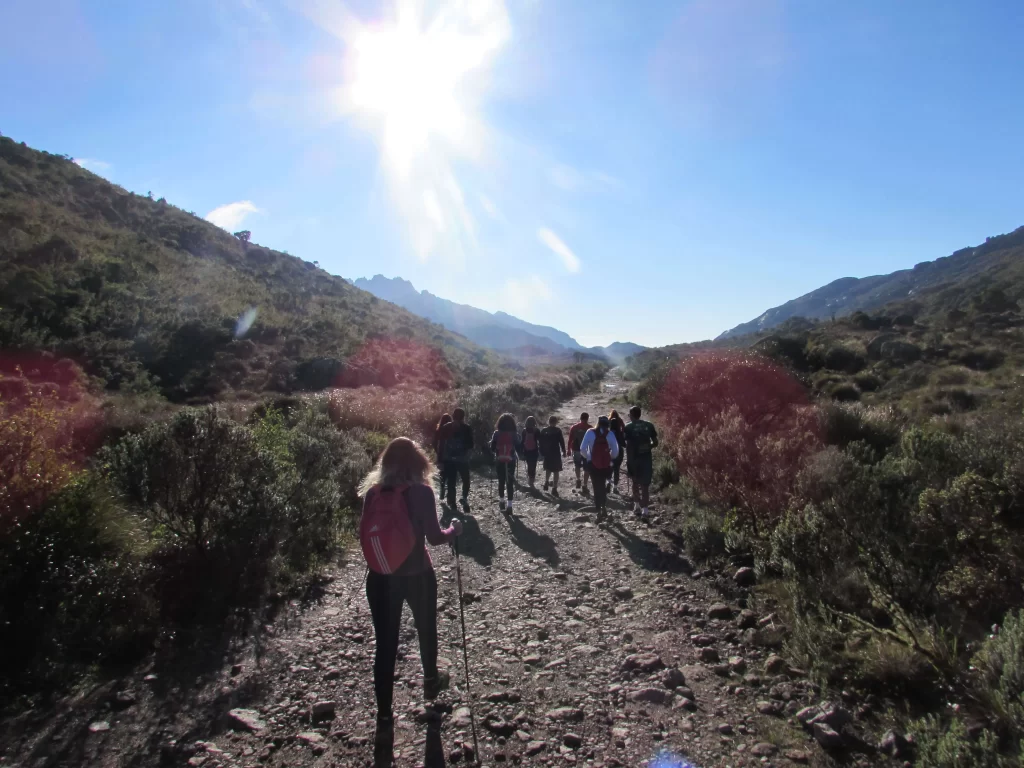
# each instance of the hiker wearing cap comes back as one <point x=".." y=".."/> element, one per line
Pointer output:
<point x="576" y="434"/>
<point x="599" y="449"/>
<point x="552" y="446"/>
<point x="641" y="439"/>
<point x="530" y="442"/>
<point x="399" y="518"/>
<point x="505" y="446"/>
<point x="456" y="440"/>
<point x="618" y="428"/>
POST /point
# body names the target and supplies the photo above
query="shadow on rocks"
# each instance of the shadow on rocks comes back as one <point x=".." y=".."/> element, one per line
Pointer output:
<point x="646" y="554"/>
<point x="536" y="544"/>
<point x="433" y="754"/>
<point x="473" y="542"/>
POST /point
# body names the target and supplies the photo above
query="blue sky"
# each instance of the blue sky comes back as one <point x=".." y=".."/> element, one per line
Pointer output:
<point x="653" y="171"/>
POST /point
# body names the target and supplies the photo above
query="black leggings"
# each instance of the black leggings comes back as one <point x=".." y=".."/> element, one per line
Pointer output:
<point x="531" y="464"/>
<point x="506" y="476"/>
<point x="616" y="466"/>
<point x="453" y="469"/>
<point x="387" y="595"/>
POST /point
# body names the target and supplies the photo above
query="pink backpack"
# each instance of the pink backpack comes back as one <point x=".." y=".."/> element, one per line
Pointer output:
<point x="385" y="530"/>
<point x="506" y="447"/>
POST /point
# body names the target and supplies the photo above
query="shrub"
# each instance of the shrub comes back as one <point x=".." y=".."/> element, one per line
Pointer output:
<point x="743" y="429"/>
<point x="948" y="745"/>
<point x="980" y="358"/>
<point x="844" y="392"/>
<point x="999" y="684"/>
<point x="867" y="382"/>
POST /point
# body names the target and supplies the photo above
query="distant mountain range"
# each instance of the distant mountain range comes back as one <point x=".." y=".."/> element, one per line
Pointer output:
<point x="943" y="284"/>
<point x="496" y="330"/>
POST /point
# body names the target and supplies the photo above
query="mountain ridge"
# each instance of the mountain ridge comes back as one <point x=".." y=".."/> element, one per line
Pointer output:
<point x="973" y="269"/>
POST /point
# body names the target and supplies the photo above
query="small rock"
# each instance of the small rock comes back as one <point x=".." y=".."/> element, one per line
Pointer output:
<point x="673" y="678"/>
<point x="652" y="695"/>
<point x="725" y="729"/>
<point x="246" y="719"/>
<point x="236" y="670"/>
<point x="500" y="727"/>
<point x="720" y="611"/>
<point x="310" y="737"/>
<point x="773" y="708"/>
<point x="737" y="664"/>
<point x="565" y="714"/>
<point x="702" y="640"/>
<point x="807" y="714"/>
<point x="797" y="755"/>
<point x="123" y="700"/>
<point x="324" y="710"/>
<point x="100" y="726"/>
<point x="708" y="655"/>
<point x="775" y="665"/>
<point x="535" y="747"/>
<point x="745" y="577"/>
<point x="747" y="619"/>
<point x="462" y="717"/>
<point x="624" y="593"/>
<point x="895" y="744"/>
<point x="827" y="737"/>
<point x="572" y="740"/>
<point x="832" y="715"/>
<point x="645" y="662"/>
<point x="572" y="602"/>
<point x="332" y="674"/>
<point x="763" y="749"/>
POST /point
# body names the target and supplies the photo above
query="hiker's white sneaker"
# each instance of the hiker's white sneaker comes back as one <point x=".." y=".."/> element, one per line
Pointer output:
<point x="645" y="513"/>
<point x="508" y="507"/>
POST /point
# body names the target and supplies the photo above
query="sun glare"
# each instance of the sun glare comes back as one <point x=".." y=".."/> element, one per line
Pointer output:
<point x="415" y="80"/>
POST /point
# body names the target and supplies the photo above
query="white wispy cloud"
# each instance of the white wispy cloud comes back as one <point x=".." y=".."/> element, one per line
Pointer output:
<point x="565" y="177"/>
<point x="91" y="164"/>
<point x="231" y="215"/>
<point x="522" y="294"/>
<point x="604" y="178"/>
<point x="557" y="245"/>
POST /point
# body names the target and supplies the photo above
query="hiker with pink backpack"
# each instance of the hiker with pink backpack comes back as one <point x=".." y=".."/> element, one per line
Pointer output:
<point x="600" y="449"/>
<point x="399" y="518"/>
<point x="505" y="446"/>
<point x="530" y="441"/>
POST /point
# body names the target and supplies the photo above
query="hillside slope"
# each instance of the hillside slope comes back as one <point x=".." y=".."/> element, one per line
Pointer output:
<point x="947" y="283"/>
<point x="147" y="296"/>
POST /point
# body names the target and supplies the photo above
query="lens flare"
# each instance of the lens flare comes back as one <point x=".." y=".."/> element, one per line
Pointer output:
<point x="667" y="759"/>
<point x="245" y="322"/>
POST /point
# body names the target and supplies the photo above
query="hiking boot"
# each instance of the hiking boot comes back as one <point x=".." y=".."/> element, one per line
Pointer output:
<point x="554" y="492"/>
<point x="578" y="484"/>
<point x="432" y="686"/>
<point x="384" y="743"/>
<point x="546" y="485"/>
<point x="645" y="514"/>
<point x="585" y="491"/>
<point x="502" y="504"/>
<point x="509" y="507"/>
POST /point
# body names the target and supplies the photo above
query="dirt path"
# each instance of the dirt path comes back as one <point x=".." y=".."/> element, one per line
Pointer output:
<point x="588" y="645"/>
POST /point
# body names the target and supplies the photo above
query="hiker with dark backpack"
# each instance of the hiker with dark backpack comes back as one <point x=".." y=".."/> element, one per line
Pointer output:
<point x="399" y="518"/>
<point x="439" y="449"/>
<point x="618" y="428"/>
<point x="505" y="446"/>
<point x="552" y="446"/>
<point x="641" y="439"/>
<point x="599" y="449"/>
<point x="576" y="434"/>
<point x="456" y="439"/>
<point x="530" y="441"/>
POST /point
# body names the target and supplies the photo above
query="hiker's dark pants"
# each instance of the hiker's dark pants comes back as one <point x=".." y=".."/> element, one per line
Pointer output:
<point x="531" y="464"/>
<point x="616" y="466"/>
<point x="387" y="595"/>
<point x="451" y="470"/>
<point x="506" y="476"/>
<point x="641" y="472"/>
<point x="600" y="478"/>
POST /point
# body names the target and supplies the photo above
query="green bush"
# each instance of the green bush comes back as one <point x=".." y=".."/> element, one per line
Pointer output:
<point x="948" y="745"/>
<point x="999" y="684"/>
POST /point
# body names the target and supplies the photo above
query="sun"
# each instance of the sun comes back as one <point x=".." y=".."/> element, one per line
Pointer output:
<point x="413" y="77"/>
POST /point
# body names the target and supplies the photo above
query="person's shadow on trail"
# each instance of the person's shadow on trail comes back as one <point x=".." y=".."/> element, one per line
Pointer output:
<point x="528" y="540"/>
<point x="473" y="542"/>
<point x="433" y="754"/>
<point x="647" y="554"/>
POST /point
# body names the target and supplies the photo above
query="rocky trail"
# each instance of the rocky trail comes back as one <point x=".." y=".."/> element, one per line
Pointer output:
<point x="588" y="645"/>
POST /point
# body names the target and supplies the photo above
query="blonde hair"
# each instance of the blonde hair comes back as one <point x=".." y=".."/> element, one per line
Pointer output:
<point x="403" y="462"/>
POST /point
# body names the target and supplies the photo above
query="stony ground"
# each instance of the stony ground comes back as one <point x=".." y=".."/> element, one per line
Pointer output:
<point x="589" y="645"/>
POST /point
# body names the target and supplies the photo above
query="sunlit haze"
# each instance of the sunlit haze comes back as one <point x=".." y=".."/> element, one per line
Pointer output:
<point x="651" y="172"/>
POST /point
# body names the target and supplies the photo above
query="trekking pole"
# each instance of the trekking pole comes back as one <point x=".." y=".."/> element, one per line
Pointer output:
<point x="465" y="653"/>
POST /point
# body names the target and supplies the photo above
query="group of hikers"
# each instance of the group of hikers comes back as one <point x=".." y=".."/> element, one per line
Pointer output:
<point x="597" y="453"/>
<point x="400" y="517"/>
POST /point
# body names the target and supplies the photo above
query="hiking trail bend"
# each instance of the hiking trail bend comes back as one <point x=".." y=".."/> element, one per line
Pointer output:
<point x="587" y="645"/>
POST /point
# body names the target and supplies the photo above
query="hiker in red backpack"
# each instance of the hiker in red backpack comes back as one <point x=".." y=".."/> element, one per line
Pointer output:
<point x="530" y="441"/>
<point x="599" y="449"/>
<point x="618" y="428"/>
<point x="505" y="446"/>
<point x="576" y="433"/>
<point x="399" y="517"/>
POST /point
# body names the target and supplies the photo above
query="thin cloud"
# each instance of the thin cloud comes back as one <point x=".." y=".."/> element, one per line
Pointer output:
<point x="565" y="177"/>
<point x="557" y="245"/>
<point x="489" y="207"/>
<point x="604" y="178"/>
<point x="231" y="216"/>
<point x="91" y="164"/>
<point x="522" y="294"/>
